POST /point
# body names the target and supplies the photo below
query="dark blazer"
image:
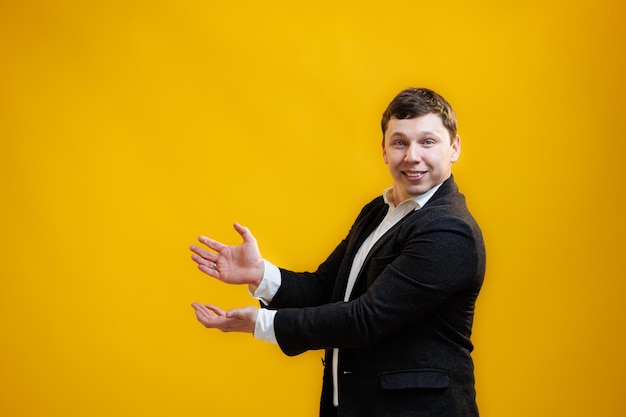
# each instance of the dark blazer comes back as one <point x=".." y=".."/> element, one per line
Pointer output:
<point x="404" y="336"/>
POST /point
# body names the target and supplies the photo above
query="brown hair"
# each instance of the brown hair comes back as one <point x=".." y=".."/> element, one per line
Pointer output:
<point x="416" y="102"/>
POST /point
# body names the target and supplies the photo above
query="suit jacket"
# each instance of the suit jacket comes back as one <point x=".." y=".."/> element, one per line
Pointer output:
<point x="404" y="335"/>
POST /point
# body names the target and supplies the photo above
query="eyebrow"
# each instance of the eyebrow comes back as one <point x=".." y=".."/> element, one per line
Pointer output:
<point x="420" y="134"/>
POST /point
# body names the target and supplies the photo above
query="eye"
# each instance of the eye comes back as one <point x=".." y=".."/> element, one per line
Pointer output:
<point x="429" y="141"/>
<point x="398" y="142"/>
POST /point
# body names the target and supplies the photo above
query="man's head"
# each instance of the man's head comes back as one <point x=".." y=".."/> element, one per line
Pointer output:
<point x="420" y="142"/>
<point x="415" y="102"/>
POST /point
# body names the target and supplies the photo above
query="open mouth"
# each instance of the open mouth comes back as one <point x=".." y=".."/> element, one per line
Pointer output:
<point x="414" y="176"/>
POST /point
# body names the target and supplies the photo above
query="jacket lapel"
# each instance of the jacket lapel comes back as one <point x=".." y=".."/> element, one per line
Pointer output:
<point x="446" y="188"/>
<point x="361" y="230"/>
<point x="382" y="241"/>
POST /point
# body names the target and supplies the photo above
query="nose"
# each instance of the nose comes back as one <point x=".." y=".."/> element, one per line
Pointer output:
<point x="413" y="153"/>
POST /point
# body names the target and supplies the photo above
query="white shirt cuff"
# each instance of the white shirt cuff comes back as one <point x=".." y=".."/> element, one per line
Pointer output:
<point x="264" y="327"/>
<point x="269" y="285"/>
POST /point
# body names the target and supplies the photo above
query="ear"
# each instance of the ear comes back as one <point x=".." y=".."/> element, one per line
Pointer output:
<point x="384" y="150"/>
<point x="456" y="149"/>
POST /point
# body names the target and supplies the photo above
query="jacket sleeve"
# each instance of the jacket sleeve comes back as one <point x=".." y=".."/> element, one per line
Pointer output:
<point x="307" y="289"/>
<point x="428" y="268"/>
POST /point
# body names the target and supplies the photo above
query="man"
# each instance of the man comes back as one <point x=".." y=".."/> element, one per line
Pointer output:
<point x="393" y="304"/>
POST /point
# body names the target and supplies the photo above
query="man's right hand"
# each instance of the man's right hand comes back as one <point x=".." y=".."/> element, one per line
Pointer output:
<point x="240" y="264"/>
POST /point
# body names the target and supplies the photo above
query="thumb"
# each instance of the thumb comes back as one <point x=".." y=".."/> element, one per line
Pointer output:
<point x="245" y="313"/>
<point x="244" y="232"/>
<point x="235" y="313"/>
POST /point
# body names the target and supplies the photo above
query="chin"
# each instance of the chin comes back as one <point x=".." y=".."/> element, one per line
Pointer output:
<point x="421" y="191"/>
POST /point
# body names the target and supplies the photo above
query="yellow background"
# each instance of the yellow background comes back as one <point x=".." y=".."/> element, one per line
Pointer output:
<point x="127" y="128"/>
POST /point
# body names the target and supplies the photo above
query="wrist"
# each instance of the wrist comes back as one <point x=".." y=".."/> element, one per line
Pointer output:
<point x="256" y="281"/>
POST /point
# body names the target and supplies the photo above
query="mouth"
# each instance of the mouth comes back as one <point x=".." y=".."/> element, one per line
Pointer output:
<point x="414" y="175"/>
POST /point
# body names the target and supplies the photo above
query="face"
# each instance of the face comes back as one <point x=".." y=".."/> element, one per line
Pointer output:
<point x="419" y="154"/>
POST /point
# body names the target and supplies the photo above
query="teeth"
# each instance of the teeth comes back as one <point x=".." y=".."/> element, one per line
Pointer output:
<point x="412" y="174"/>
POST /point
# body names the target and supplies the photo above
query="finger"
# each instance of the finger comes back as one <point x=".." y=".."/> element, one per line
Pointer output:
<point x="213" y="244"/>
<point x="205" y="266"/>
<point x="215" y="309"/>
<point x="201" y="309"/>
<point x="234" y="313"/>
<point x="211" y="256"/>
<point x="208" y="262"/>
<point x="203" y="314"/>
<point x="210" y="316"/>
<point x="245" y="233"/>
<point x="245" y="313"/>
<point x="210" y="270"/>
<point x="241" y="320"/>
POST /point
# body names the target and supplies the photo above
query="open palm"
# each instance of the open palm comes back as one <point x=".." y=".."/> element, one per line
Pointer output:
<point x="240" y="264"/>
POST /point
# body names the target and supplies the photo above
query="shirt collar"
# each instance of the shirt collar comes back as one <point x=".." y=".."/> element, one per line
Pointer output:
<point x="418" y="201"/>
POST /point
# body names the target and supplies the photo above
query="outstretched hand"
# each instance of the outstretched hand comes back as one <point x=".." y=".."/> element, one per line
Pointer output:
<point x="238" y="320"/>
<point x="240" y="264"/>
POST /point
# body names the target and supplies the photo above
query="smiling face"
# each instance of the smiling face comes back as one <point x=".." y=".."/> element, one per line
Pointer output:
<point x="419" y="154"/>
